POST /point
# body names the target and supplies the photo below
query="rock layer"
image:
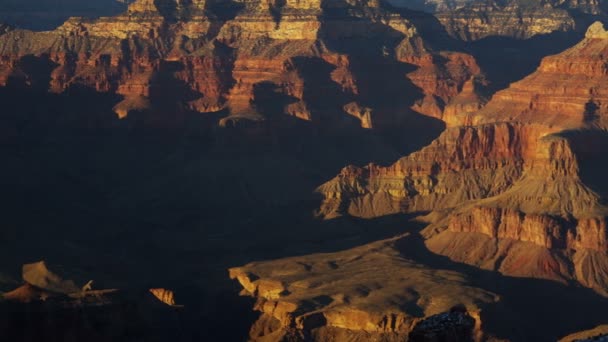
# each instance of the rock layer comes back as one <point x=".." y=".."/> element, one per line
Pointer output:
<point x="348" y="295"/>
<point x="293" y="52"/>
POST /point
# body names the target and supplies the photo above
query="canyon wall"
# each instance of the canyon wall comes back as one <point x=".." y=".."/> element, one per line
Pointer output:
<point x="510" y="172"/>
<point x="220" y="62"/>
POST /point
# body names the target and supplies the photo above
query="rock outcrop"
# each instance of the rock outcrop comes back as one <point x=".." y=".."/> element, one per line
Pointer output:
<point x="367" y="292"/>
<point x="46" y="307"/>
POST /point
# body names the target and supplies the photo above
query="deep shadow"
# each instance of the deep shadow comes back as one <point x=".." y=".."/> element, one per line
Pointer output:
<point x="589" y="147"/>
<point x="225" y="10"/>
<point x="269" y="100"/>
<point x="168" y="9"/>
<point x="276" y="9"/>
<point x="135" y="206"/>
<point x="591" y="114"/>
<point x="41" y="15"/>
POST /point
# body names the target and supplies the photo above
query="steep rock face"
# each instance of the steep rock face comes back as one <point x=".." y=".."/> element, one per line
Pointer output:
<point x="573" y="92"/>
<point x="463" y="164"/>
<point x="508" y="189"/>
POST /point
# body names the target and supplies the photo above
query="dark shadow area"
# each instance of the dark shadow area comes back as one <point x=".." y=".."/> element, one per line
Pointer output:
<point x="165" y="200"/>
<point x="589" y="147"/>
<point x="225" y="10"/>
<point x="41" y="15"/>
<point x="591" y="114"/>
<point x="529" y="309"/>
<point x="276" y="9"/>
<point x="167" y="9"/>
<point x="269" y="99"/>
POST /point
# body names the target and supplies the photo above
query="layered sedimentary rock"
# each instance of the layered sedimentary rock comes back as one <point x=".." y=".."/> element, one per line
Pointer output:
<point x="193" y="55"/>
<point x="509" y="185"/>
<point x="347" y="295"/>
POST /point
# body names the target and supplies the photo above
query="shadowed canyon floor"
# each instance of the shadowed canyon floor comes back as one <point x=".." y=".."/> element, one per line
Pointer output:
<point x="76" y="194"/>
<point x="161" y="147"/>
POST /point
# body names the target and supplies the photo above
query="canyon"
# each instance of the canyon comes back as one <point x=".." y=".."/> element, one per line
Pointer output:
<point x="358" y="170"/>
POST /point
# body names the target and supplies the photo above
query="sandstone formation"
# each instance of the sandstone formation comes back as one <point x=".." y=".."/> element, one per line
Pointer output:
<point x="509" y="185"/>
<point x="165" y="296"/>
<point x="368" y="292"/>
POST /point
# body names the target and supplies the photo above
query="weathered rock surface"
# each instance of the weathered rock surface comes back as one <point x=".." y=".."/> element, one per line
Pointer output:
<point x="363" y="293"/>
